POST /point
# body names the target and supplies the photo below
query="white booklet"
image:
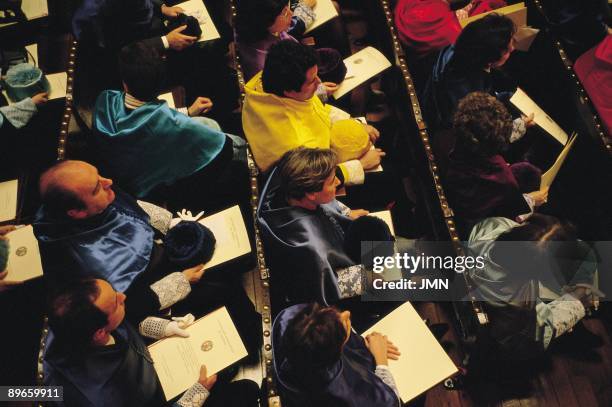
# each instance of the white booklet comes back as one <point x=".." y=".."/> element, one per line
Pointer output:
<point x="527" y="106"/>
<point x="231" y="235"/>
<point x="24" y="256"/>
<point x="423" y="362"/>
<point x="197" y="9"/>
<point x="515" y="12"/>
<point x="8" y="199"/>
<point x="324" y="11"/>
<point x="213" y="341"/>
<point x="360" y="67"/>
<point x="169" y="98"/>
<point x="549" y="176"/>
<point x="386" y="216"/>
<point x="32" y="9"/>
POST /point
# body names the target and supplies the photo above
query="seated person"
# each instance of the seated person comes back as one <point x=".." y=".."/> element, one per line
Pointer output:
<point x="594" y="69"/>
<point x="100" y="359"/>
<point x="143" y="143"/>
<point x="19" y="114"/>
<point x="303" y="228"/>
<point x="479" y="182"/>
<point x="259" y="25"/>
<point x="281" y="112"/>
<point x="470" y="65"/>
<point x="320" y="361"/>
<point x="428" y="25"/>
<point x="86" y="229"/>
<point x="516" y="259"/>
<point x="111" y="24"/>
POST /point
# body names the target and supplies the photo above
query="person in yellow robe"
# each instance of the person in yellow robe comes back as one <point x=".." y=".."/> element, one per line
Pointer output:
<point x="281" y="112"/>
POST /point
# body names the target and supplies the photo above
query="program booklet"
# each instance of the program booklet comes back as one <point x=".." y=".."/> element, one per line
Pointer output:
<point x="24" y="256"/>
<point x="9" y="192"/>
<point x="423" y="362"/>
<point x="527" y="106"/>
<point x="213" y="341"/>
<point x="549" y="176"/>
<point x="360" y="67"/>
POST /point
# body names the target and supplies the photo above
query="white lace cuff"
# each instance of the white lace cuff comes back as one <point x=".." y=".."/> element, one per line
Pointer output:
<point x="20" y="113"/>
<point x="159" y="217"/>
<point x="171" y="289"/>
<point x="304" y="13"/>
<point x="153" y="327"/>
<point x="350" y="281"/>
<point x="518" y="129"/>
<point x="195" y="396"/>
<point x="566" y="312"/>
<point x="386" y="376"/>
<point x="354" y="173"/>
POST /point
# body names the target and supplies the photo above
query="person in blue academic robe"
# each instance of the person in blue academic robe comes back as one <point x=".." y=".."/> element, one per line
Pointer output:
<point x="325" y="376"/>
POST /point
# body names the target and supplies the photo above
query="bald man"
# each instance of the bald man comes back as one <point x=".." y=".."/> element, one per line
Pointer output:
<point x="88" y="229"/>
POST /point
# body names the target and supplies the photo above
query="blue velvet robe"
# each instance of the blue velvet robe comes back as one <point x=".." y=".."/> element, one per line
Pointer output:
<point x="151" y="145"/>
<point x="350" y="382"/>
<point x="114" y="245"/>
<point x="305" y="247"/>
<point x="119" y="375"/>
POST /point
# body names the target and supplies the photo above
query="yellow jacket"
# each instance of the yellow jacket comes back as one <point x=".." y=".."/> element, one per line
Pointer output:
<point x="274" y="125"/>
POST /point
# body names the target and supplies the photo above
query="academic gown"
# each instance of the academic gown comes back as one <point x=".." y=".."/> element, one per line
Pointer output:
<point x="114" y="245"/>
<point x="305" y="246"/>
<point x="350" y="382"/>
<point x="118" y="375"/>
<point x="151" y="145"/>
<point x="479" y="188"/>
<point x="449" y="84"/>
<point x="429" y="25"/>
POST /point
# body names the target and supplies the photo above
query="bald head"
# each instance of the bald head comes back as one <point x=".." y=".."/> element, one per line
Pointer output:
<point x="75" y="189"/>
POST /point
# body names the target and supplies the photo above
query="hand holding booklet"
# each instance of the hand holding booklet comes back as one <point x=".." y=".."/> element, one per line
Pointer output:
<point x="527" y="106"/>
<point x="423" y="363"/>
<point x="197" y="9"/>
<point x="213" y="341"/>
<point x="324" y="11"/>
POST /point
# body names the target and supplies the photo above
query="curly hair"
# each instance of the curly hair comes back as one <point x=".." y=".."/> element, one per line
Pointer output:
<point x="304" y="170"/>
<point x="482" y="42"/>
<point x="314" y="337"/>
<point x="254" y="17"/>
<point x="482" y="124"/>
<point x="286" y="65"/>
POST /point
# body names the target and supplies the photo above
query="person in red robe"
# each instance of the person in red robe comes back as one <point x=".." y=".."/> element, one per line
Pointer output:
<point x="430" y="25"/>
<point x="594" y="68"/>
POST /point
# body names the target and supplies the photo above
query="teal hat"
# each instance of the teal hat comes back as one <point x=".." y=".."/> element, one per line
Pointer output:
<point x="25" y="80"/>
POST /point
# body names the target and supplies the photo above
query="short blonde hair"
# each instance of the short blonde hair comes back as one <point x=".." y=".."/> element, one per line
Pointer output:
<point x="304" y="170"/>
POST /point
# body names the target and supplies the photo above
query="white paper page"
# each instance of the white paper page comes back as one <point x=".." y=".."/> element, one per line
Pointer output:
<point x="361" y="66"/>
<point x="231" y="235"/>
<point x="549" y="176"/>
<point x="32" y="53"/>
<point x="213" y="341"/>
<point x="8" y="200"/>
<point x="32" y="9"/>
<point x="386" y="216"/>
<point x="515" y="12"/>
<point x="324" y="11"/>
<point x="24" y="256"/>
<point x="423" y="362"/>
<point x="168" y="98"/>
<point x="197" y="9"/>
<point x="524" y="38"/>
<point x="527" y="106"/>
<point x="58" y="83"/>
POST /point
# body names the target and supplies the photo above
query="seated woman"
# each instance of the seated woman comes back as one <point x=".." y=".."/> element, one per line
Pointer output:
<point x="428" y="25"/>
<point x="143" y="144"/>
<point x="516" y="259"/>
<point x="479" y="182"/>
<point x="470" y="66"/>
<point x="261" y="24"/>
<point x="304" y="228"/>
<point x="320" y="361"/>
